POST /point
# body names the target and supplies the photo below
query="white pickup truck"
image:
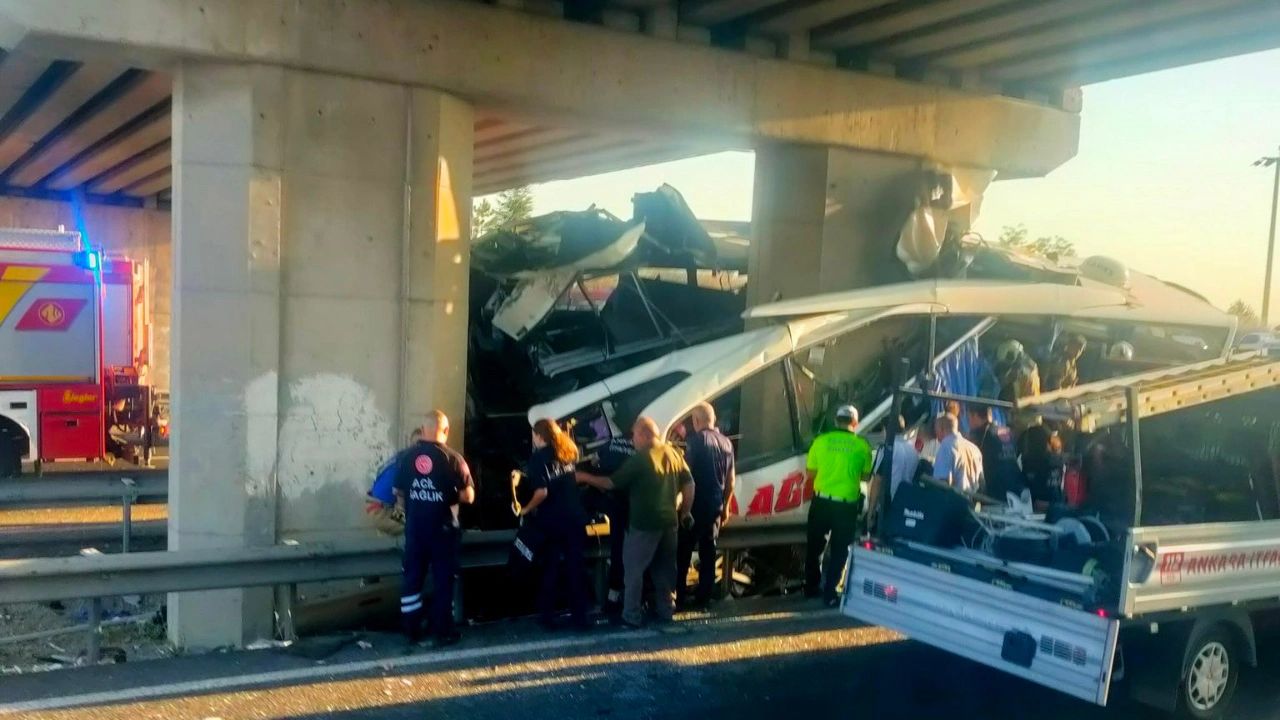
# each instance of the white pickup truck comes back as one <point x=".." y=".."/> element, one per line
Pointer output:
<point x="1167" y="608"/>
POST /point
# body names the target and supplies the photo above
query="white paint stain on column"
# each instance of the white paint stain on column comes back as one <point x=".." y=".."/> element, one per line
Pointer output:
<point x="333" y="433"/>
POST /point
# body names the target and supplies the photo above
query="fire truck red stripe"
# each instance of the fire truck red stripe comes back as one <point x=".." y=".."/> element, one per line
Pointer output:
<point x="51" y="314"/>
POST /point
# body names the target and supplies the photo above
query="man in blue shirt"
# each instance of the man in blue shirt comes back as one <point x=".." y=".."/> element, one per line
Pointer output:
<point x="382" y="509"/>
<point x="710" y="458"/>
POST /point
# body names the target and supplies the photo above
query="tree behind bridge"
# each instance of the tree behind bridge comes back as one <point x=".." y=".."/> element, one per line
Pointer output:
<point x="1053" y="247"/>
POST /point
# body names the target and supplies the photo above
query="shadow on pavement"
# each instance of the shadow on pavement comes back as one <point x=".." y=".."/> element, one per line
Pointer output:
<point x="811" y="665"/>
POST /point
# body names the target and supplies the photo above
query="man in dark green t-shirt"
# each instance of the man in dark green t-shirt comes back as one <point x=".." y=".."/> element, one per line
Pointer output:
<point x="656" y="480"/>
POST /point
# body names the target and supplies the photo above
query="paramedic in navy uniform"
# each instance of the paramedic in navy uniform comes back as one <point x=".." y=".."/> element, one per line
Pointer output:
<point x="611" y="457"/>
<point x="557" y="508"/>
<point x="431" y="482"/>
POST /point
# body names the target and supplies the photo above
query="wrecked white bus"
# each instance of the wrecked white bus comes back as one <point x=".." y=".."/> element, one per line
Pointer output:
<point x="772" y="386"/>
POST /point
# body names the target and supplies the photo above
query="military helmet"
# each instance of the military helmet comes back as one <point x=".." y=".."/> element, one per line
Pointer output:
<point x="1009" y="351"/>
<point x="1120" y="351"/>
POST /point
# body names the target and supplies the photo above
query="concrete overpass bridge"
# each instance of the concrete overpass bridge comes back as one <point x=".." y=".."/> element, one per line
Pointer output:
<point x="320" y="157"/>
<point x="103" y="129"/>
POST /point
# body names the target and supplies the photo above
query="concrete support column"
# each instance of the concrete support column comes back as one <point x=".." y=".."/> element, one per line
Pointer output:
<point x="437" y="261"/>
<point x="795" y="46"/>
<point x="823" y="220"/>
<point x="661" y="21"/>
<point x="225" y="340"/>
<point x="320" y="307"/>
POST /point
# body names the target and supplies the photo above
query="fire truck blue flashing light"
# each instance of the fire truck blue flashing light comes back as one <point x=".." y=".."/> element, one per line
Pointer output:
<point x="87" y="259"/>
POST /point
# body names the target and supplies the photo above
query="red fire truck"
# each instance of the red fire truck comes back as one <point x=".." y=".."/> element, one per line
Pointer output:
<point x="75" y="347"/>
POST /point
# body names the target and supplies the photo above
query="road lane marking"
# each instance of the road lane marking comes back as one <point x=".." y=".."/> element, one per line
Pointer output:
<point x="195" y="687"/>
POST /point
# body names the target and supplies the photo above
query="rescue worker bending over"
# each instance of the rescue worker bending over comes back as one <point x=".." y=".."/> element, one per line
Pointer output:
<point x="383" y="510"/>
<point x="709" y="455"/>
<point x="838" y="462"/>
<point x="117" y="432"/>
<point x="655" y="479"/>
<point x="557" y="509"/>
<point x="1000" y="471"/>
<point x="1043" y="467"/>
<point x="431" y="482"/>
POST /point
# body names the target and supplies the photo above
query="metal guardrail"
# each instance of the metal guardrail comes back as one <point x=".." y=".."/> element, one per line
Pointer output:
<point x="77" y="489"/>
<point x="74" y="490"/>
<point x="97" y="576"/>
<point x="44" y="579"/>
<point x="80" y="533"/>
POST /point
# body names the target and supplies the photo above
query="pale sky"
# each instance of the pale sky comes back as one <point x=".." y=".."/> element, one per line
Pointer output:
<point x="1163" y="181"/>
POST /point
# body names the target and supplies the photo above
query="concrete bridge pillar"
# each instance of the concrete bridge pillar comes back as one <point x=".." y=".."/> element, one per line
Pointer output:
<point x="823" y="220"/>
<point x="320" y="284"/>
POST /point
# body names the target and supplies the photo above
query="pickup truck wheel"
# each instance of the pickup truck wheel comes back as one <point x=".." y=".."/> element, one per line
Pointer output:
<point x="1211" y="676"/>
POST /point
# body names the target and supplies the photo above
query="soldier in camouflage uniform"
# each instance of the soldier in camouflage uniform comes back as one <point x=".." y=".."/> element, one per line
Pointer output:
<point x="1061" y="372"/>
<point x="1018" y="374"/>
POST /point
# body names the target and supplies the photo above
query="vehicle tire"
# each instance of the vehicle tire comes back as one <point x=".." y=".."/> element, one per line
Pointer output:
<point x="10" y="457"/>
<point x="1210" y="677"/>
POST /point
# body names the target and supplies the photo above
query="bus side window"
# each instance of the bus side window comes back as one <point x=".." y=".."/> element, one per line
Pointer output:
<point x="765" y="419"/>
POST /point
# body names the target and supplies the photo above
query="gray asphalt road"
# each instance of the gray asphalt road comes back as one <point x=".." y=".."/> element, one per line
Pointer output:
<point x="767" y="662"/>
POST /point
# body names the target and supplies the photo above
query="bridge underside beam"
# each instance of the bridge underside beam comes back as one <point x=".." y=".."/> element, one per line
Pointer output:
<point x="499" y="57"/>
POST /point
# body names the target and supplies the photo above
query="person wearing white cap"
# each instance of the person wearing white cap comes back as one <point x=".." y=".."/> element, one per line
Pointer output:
<point x="839" y="461"/>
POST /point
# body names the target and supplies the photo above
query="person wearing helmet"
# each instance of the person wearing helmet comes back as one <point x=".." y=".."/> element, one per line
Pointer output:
<point x="1018" y="374"/>
<point x="1120" y="351"/>
<point x="1061" y="371"/>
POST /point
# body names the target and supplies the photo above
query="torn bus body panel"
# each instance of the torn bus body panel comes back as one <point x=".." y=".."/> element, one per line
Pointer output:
<point x="557" y="240"/>
<point x="673" y="226"/>
<point x="528" y="302"/>
<point x="585" y="293"/>
<point x="567" y="299"/>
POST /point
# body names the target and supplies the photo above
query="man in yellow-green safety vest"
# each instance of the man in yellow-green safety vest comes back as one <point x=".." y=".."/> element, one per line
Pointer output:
<point x="839" y="461"/>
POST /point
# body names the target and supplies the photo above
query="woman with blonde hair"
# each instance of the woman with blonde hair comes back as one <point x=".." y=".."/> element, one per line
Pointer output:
<point x="557" y="509"/>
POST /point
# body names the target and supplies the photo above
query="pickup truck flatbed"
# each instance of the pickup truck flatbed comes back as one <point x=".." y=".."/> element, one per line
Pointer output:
<point x="1176" y="619"/>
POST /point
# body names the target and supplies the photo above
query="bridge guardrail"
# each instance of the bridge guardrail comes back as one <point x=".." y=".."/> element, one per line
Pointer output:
<point x="73" y="490"/>
<point x="126" y="488"/>
<point x="286" y="565"/>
